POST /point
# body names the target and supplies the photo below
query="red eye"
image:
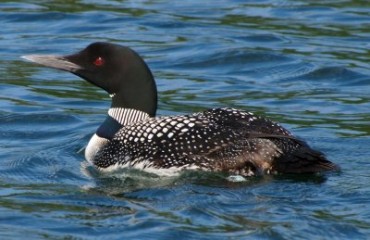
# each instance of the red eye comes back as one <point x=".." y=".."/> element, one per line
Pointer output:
<point x="99" y="61"/>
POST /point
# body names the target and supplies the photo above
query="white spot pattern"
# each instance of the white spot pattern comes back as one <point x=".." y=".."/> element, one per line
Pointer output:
<point x="217" y="139"/>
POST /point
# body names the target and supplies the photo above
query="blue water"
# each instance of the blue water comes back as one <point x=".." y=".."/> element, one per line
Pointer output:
<point x="302" y="63"/>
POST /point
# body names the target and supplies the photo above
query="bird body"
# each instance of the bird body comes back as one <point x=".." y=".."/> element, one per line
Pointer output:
<point x="220" y="139"/>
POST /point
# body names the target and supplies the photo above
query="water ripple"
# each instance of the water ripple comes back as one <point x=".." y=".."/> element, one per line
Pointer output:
<point x="302" y="63"/>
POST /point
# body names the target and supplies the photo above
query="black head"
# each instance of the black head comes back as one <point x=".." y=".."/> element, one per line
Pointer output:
<point x="117" y="69"/>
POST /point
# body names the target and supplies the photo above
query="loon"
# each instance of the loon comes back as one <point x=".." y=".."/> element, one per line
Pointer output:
<point x="224" y="140"/>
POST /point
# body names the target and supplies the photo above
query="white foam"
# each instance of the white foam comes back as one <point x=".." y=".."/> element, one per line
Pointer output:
<point x="148" y="167"/>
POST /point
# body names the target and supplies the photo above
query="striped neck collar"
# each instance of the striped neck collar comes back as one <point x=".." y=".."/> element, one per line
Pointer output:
<point x="126" y="116"/>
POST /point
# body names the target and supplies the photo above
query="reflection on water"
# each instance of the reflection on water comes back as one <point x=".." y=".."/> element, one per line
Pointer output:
<point x="302" y="63"/>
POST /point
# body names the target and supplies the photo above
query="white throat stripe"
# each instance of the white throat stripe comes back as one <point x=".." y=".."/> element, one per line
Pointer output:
<point x="126" y="115"/>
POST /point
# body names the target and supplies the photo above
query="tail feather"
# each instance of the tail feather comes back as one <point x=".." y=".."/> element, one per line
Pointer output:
<point x="303" y="160"/>
<point x="298" y="157"/>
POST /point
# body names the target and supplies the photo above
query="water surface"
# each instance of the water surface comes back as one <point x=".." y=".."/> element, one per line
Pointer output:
<point x="302" y="63"/>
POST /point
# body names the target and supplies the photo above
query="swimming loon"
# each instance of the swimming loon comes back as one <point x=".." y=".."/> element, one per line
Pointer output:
<point x="220" y="139"/>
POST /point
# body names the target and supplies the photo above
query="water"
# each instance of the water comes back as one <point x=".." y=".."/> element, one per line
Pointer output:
<point x="302" y="63"/>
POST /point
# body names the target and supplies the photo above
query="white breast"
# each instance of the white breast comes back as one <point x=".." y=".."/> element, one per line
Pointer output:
<point x="95" y="144"/>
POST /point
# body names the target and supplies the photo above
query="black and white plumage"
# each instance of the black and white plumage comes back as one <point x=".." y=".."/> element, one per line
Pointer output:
<point x="221" y="139"/>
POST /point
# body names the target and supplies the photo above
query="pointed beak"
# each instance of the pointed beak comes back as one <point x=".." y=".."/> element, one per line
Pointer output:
<point x="53" y="61"/>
